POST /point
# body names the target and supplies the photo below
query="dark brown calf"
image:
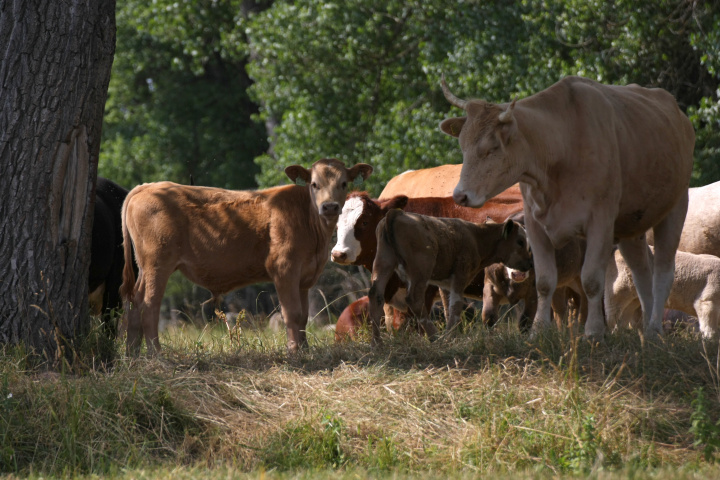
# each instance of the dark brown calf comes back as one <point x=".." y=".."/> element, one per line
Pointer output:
<point x="446" y="252"/>
<point x="357" y="244"/>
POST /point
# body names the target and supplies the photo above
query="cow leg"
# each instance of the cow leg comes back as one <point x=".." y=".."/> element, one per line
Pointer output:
<point x="132" y="321"/>
<point x="154" y="291"/>
<point x="529" y="309"/>
<point x="545" y="272"/>
<point x="636" y="254"/>
<point x="383" y="271"/>
<point x="375" y="306"/>
<point x="560" y="307"/>
<point x="597" y="255"/>
<point x="144" y="314"/>
<point x="491" y="302"/>
<point x="416" y="306"/>
<point x="304" y="301"/>
<point x="455" y="308"/>
<point x="291" y="305"/>
<point x="667" y="238"/>
<point x="582" y="307"/>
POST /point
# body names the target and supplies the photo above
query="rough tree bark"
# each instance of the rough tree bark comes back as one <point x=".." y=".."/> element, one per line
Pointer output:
<point x="55" y="60"/>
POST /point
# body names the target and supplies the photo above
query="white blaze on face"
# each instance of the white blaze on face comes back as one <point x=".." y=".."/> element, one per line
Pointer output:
<point x="346" y="241"/>
<point x="516" y="275"/>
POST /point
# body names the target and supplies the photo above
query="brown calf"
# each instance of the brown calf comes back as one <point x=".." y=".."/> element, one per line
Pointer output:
<point x="446" y="252"/>
<point x="225" y="239"/>
<point x="501" y="288"/>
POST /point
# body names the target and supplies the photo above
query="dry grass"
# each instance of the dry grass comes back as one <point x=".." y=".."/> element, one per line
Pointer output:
<point x="483" y="402"/>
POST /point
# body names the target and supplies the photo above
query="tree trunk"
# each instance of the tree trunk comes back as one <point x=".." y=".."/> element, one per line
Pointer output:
<point x="54" y="73"/>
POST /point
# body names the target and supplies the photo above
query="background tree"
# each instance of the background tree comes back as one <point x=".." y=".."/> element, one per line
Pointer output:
<point x="177" y="104"/>
<point x="359" y="80"/>
<point x="54" y="75"/>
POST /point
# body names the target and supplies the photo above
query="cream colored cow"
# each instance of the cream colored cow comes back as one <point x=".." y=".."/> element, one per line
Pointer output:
<point x="603" y="162"/>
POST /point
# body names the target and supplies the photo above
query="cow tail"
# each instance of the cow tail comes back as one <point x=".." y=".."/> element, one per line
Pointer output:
<point x="128" y="286"/>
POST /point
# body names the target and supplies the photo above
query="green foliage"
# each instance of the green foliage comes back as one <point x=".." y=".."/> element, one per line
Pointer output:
<point x="706" y="433"/>
<point x="305" y="445"/>
<point x="177" y="104"/>
<point x="359" y="80"/>
<point x="583" y="454"/>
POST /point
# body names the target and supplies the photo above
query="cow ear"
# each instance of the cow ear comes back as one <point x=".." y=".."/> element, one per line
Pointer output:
<point x="507" y="229"/>
<point x="360" y="171"/>
<point x="452" y="126"/>
<point x="396" y="202"/>
<point x="295" y="172"/>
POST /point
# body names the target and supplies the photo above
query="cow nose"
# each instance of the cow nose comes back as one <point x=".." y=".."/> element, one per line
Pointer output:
<point x="330" y="209"/>
<point x="338" y="256"/>
<point x="460" y="198"/>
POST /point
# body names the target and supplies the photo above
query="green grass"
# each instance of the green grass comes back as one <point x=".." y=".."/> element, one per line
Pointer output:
<point x="221" y="404"/>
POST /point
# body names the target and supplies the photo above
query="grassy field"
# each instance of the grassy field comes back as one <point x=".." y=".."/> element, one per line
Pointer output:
<point x="219" y="404"/>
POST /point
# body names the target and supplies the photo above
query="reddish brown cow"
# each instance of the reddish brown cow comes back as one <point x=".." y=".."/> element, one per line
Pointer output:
<point x="356" y="315"/>
<point x="225" y="239"/>
<point x="436" y="182"/>
<point x="351" y="319"/>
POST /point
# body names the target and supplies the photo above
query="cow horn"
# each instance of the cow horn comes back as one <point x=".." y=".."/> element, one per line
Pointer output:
<point x="449" y="95"/>
<point x="507" y="115"/>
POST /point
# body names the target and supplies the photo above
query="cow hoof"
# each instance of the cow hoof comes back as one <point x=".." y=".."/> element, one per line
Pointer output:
<point x="653" y="332"/>
<point x="594" y="339"/>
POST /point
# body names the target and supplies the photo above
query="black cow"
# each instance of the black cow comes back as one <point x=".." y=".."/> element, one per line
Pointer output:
<point x="106" y="257"/>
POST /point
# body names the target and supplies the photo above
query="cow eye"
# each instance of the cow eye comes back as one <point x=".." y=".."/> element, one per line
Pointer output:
<point x="344" y="185"/>
<point x="364" y="224"/>
<point x="314" y="185"/>
<point x="521" y="242"/>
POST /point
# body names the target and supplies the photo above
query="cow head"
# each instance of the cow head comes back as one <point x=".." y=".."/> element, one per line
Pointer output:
<point x="327" y="182"/>
<point x="491" y="146"/>
<point x="514" y="248"/>
<point x="356" y="242"/>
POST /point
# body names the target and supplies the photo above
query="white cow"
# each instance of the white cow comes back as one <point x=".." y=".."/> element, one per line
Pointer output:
<point x="695" y="291"/>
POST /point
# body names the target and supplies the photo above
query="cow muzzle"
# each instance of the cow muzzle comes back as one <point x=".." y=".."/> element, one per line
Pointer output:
<point x="460" y="197"/>
<point x="518" y="277"/>
<point x="330" y="209"/>
<point x="339" y="257"/>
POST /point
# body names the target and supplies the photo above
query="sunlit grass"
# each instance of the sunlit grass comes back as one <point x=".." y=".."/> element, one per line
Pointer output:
<point x="221" y="403"/>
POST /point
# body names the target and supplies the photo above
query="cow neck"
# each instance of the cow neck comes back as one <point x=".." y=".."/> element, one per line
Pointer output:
<point x="539" y="155"/>
<point x="490" y="235"/>
<point x="321" y="226"/>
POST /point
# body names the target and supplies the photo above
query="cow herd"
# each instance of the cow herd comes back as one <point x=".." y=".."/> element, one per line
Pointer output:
<point x="559" y="196"/>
